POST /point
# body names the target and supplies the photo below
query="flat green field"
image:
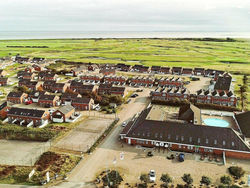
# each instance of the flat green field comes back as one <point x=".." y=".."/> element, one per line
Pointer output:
<point x="165" y="52"/>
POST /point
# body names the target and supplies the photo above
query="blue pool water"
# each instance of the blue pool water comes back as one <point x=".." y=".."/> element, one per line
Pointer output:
<point x="216" y="122"/>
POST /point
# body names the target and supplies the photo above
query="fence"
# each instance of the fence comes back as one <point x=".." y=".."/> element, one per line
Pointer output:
<point x="99" y="115"/>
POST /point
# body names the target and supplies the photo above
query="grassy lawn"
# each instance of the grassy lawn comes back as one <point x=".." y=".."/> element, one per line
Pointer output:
<point x="167" y="52"/>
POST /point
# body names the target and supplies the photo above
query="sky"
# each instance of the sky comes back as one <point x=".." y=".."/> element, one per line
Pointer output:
<point x="125" y="15"/>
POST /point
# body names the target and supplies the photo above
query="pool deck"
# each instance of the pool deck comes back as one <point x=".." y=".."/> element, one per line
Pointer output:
<point x="229" y="119"/>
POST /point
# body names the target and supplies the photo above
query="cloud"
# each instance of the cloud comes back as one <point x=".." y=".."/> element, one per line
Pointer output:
<point x="81" y="15"/>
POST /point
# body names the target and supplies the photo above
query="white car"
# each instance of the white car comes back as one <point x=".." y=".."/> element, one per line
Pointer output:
<point x="152" y="176"/>
<point x="124" y="124"/>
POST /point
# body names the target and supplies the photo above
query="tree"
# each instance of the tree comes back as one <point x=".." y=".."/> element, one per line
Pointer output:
<point x="166" y="179"/>
<point x="236" y="172"/>
<point x="112" y="178"/>
<point x="226" y="180"/>
<point x="205" y="180"/>
<point x="23" y="89"/>
<point x="187" y="179"/>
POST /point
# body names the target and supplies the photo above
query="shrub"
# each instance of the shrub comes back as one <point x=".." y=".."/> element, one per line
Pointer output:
<point x="144" y="178"/>
<point x="205" y="180"/>
<point x="166" y="179"/>
<point x="226" y="180"/>
<point x="236" y="172"/>
<point x="15" y="132"/>
<point x="187" y="179"/>
<point x="113" y="177"/>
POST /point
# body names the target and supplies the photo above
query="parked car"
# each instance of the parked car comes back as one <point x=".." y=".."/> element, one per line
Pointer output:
<point x="134" y="95"/>
<point x="128" y="101"/>
<point x="181" y="157"/>
<point x="150" y="154"/>
<point x="139" y="90"/>
<point x="124" y="124"/>
<point x="98" y="108"/>
<point x="152" y="176"/>
<point x="28" y="102"/>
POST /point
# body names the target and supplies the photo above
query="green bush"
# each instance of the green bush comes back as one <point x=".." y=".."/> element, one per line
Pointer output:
<point x="112" y="178"/>
<point x="15" y="132"/>
<point x="187" y="179"/>
<point x="205" y="180"/>
<point x="226" y="180"/>
<point x="166" y="179"/>
<point x="236" y="172"/>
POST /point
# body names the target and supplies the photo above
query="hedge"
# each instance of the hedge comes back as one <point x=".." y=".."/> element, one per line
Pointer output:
<point x="14" y="132"/>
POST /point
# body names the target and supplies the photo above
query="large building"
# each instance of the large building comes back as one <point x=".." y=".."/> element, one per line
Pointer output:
<point x="183" y="136"/>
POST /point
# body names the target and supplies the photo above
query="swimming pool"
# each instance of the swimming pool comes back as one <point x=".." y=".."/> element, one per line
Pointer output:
<point x="216" y="122"/>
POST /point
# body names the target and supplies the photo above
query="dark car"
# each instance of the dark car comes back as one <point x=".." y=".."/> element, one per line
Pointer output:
<point x="134" y="95"/>
<point x="139" y="90"/>
<point x="150" y="154"/>
<point x="181" y="157"/>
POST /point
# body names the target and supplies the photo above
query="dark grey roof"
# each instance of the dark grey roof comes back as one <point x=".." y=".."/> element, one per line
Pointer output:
<point x="223" y="83"/>
<point x="3" y="105"/>
<point x="36" y="93"/>
<point x="69" y="95"/>
<point x="49" y="82"/>
<point x="80" y="100"/>
<point x="184" y="133"/>
<point x="105" y="86"/>
<point x="58" y="85"/>
<point x="15" y="94"/>
<point x="47" y="97"/>
<point x="26" y="112"/>
<point x="243" y="120"/>
<point x="176" y="68"/>
<point x="190" y="112"/>
<point x="199" y="69"/>
<point x="117" y="89"/>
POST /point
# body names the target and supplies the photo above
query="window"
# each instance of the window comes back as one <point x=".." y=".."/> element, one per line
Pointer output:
<point x="182" y="138"/>
<point x="156" y="135"/>
<point x="232" y="143"/>
<point x="224" y="142"/>
<point x="169" y="136"/>
<point x="199" y="140"/>
<point x="190" y="139"/>
<point x="215" y="142"/>
<point x="179" y="146"/>
<point x="206" y="141"/>
<point x="177" y="137"/>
